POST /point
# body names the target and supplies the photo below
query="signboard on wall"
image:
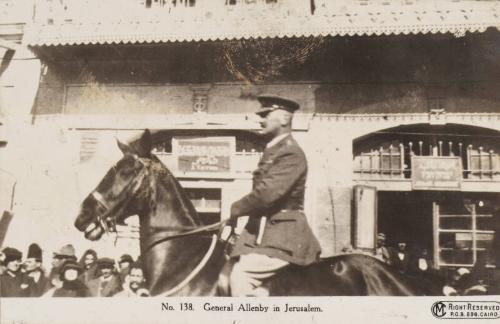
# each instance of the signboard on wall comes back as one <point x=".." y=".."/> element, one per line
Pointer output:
<point x="365" y="217"/>
<point x="203" y="155"/>
<point x="436" y="172"/>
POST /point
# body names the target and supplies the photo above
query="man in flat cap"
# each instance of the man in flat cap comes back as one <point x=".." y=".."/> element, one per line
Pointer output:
<point x="108" y="283"/>
<point x="277" y="232"/>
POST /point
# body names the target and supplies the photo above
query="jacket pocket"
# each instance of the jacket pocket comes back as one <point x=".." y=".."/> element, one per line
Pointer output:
<point x="280" y="232"/>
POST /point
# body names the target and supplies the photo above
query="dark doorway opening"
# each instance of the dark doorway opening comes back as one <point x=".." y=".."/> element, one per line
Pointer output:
<point x="406" y="217"/>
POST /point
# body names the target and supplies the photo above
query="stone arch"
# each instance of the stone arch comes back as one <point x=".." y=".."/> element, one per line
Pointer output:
<point x="371" y="124"/>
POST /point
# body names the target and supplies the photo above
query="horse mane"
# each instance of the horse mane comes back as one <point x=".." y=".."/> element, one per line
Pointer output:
<point x="165" y="175"/>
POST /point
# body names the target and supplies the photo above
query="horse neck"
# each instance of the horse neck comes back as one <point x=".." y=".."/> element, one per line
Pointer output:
<point x="168" y="203"/>
<point x="168" y="263"/>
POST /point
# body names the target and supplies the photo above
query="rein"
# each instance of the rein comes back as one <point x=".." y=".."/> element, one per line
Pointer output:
<point x="190" y="230"/>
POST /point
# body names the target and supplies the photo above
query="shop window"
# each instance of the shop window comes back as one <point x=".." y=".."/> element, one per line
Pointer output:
<point x="463" y="234"/>
<point x="482" y="164"/>
<point x="207" y="202"/>
<point x="384" y="162"/>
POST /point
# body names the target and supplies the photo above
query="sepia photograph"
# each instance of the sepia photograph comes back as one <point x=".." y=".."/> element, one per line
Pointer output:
<point x="282" y="156"/>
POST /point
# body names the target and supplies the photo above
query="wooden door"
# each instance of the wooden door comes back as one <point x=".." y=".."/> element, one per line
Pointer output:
<point x="365" y="218"/>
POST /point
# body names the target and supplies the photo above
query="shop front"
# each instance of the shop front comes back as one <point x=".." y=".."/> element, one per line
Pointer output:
<point x="435" y="188"/>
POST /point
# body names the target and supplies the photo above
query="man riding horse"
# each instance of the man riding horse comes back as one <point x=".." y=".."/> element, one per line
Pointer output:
<point x="182" y="256"/>
<point x="277" y="232"/>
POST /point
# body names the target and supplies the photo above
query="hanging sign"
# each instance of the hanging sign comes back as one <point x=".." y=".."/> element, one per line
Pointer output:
<point x="203" y="155"/>
<point x="436" y="173"/>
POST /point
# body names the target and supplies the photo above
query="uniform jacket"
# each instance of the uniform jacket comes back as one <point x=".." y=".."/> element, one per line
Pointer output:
<point x="278" y="194"/>
<point x="110" y="288"/>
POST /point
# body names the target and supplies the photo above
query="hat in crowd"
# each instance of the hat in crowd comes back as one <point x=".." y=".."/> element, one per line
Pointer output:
<point x="66" y="251"/>
<point x="106" y="263"/>
<point x="11" y="254"/>
<point x="70" y="264"/>
<point x="271" y="102"/>
<point x="126" y="258"/>
<point x="380" y="236"/>
<point x="34" y="252"/>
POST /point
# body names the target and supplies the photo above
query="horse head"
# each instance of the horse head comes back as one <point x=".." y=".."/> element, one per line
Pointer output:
<point x="117" y="195"/>
<point x="173" y="246"/>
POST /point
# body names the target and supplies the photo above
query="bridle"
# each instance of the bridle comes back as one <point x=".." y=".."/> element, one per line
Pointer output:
<point x="106" y="220"/>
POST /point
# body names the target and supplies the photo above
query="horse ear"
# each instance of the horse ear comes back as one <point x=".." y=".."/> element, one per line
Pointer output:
<point x="126" y="149"/>
<point x="145" y="144"/>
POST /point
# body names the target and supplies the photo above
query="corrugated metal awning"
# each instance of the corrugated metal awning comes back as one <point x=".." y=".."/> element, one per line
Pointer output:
<point x="330" y="18"/>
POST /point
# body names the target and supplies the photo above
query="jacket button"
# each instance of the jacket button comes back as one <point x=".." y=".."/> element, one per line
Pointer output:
<point x="273" y="222"/>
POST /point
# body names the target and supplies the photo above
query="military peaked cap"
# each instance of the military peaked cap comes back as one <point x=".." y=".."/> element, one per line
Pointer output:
<point x="270" y="103"/>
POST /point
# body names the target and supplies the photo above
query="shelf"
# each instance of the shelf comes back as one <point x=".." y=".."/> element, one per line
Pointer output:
<point x="441" y="230"/>
<point x="464" y="216"/>
<point x="454" y="249"/>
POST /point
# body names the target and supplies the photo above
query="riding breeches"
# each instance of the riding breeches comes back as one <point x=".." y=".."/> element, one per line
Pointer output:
<point x="250" y="271"/>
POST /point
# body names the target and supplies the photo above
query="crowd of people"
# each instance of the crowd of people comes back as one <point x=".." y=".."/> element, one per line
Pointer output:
<point x="91" y="276"/>
<point x="400" y="258"/>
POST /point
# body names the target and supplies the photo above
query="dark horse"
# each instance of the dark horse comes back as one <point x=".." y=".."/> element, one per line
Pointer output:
<point x="182" y="256"/>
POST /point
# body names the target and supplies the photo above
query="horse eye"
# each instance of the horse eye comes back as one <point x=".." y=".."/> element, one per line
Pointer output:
<point x="125" y="172"/>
